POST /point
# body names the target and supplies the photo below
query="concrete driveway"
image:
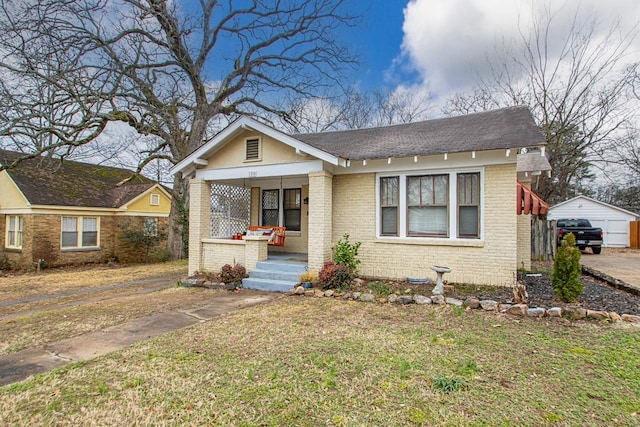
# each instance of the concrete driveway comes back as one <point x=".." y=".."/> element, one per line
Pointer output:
<point x="622" y="264"/>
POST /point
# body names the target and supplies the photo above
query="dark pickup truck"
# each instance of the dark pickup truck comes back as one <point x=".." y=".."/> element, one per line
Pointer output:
<point x="586" y="235"/>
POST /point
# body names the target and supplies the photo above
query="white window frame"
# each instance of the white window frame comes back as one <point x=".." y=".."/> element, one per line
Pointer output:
<point x="17" y="233"/>
<point x="154" y="200"/>
<point x="452" y="204"/>
<point x="246" y="142"/>
<point x="80" y="231"/>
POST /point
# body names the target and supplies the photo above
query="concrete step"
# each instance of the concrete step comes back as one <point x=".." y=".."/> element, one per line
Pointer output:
<point x="268" y="284"/>
<point x="292" y="267"/>
<point x="286" y="276"/>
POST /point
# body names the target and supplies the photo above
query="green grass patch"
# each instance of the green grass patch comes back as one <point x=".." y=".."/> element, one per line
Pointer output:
<point x="312" y="361"/>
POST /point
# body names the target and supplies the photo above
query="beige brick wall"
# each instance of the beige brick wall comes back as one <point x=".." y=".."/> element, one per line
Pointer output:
<point x="492" y="262"/>
<point x="215" y="255"/>
<point x="199" y="221"/>
<point x="320" y="218"/>
<point x="524" y="241"/>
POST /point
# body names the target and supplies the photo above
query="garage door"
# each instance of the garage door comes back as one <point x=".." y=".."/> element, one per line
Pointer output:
<point x="616" y="231"/>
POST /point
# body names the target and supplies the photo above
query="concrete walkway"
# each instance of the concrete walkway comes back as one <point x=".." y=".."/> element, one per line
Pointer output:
<point x="622" y="265"/>
<point x="18" y="366"/>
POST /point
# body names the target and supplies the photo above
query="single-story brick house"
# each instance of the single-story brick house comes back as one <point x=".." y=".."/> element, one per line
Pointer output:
<point x="74" y="213"/>
<point x="439" y="192"/>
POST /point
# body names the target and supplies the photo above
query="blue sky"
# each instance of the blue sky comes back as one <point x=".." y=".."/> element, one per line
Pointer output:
<point x="445" y="46"/>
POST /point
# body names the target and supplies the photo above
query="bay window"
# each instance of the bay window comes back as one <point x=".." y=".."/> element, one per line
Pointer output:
<point x="444" y="205"/>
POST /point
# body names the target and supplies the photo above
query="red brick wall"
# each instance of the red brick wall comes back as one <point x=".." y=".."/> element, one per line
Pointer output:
<point x="41" y="240"/>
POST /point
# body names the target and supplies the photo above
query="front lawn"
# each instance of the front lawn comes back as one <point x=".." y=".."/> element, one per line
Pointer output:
<point x="315" y="361"/>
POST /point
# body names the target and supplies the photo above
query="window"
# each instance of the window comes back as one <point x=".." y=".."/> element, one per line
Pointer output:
<point x="427" y="205"/>
<point x="79" y="232"/>
<point x="151" y="227"/>
<point x="252" y="149"/>
<point x="389" y="196"/>
<point x="14" y="232"/>
<point x="292" y="208"/>
<point x="270" y="207"/>
<point x="154" y="200"/>
<point x="468" y="205"/>
<point x="446" y="205"/>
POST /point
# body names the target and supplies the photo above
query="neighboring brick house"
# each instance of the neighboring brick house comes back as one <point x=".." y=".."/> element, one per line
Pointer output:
<point x="73" y="213"/>
<point x="439" y="192"/>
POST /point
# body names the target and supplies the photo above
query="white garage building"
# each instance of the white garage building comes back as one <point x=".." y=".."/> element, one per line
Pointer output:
<point x="614" y="221"/>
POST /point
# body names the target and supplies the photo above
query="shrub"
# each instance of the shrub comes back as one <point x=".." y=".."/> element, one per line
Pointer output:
<point x="565" y="278"/>
<point x="335" y="276"/>
<point x="346" y="253"/>
<point x="380" y="289"/>
<point x="232" y="274"/>
<point x="308" y="276"/>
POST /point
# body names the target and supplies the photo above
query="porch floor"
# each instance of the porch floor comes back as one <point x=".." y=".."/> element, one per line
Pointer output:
<point x="287" y="257"/>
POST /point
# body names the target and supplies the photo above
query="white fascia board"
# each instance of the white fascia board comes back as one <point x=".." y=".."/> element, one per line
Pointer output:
<point x="607" y="205"/>
<point x="436" y="162"/>
<point x="260" y="171"/>
<point x="242" y="124"/>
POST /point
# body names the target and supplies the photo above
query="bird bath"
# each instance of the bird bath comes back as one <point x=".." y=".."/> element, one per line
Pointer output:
<point x="439" y="289"/>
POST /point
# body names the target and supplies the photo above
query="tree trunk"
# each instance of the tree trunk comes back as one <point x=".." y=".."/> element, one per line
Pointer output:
<point x="178" y="238"/>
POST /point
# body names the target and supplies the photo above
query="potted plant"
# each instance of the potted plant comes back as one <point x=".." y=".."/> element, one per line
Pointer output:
<point x="307" y="278"/>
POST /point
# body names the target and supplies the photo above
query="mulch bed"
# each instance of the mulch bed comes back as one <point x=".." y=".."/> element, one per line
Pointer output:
<point x="597" y="295"/>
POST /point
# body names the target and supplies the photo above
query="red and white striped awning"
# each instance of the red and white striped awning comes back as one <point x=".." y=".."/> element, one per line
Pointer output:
<point x="529" y="202"/>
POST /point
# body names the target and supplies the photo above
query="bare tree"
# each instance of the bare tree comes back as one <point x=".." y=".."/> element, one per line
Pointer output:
<point x="167" y="69"/>
<point x="578" y="95"/>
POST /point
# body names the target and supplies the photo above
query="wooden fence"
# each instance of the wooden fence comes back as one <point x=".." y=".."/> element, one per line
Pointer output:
<point x="543" y="239"/>
<point x="634" y="234"/>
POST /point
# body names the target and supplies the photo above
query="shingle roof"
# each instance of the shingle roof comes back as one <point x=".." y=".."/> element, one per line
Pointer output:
<point x="511" y="127"/>
<point x="45" y="181"/>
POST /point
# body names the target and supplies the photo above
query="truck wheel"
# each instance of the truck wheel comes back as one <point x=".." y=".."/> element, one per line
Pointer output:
<point x="596" y="249"/>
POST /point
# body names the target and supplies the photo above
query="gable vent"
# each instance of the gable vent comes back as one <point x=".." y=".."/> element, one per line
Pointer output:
<point x="253" y="149"/>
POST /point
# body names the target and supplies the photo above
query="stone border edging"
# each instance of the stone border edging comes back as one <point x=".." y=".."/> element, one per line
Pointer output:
<point x="616" y="283"/>
<point x="521" y="310"/>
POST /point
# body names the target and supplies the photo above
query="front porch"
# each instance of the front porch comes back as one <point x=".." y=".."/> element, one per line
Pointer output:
<point x="222" y="209"/>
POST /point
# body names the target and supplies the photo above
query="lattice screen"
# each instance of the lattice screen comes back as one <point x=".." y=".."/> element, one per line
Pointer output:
<point x="230" y="209"/>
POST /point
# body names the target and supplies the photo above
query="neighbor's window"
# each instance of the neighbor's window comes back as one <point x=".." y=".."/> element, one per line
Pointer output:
<point x="151" y="227"/>
<point x="389" y="198"/>
<point x="292" y="208"/>
<point x="252" y="146"/>
<point x="270" y="207"/>
<point x="14" y="232"/>
<point x="427" y="197"/>
<point x="469" y="205"/>
<point x="79" y="232"/>
<point x="154" y="200"/>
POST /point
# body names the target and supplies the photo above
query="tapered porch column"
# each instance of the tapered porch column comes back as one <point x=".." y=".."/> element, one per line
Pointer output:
<point x="199" y="221"/>
<point x="320" y="218"/>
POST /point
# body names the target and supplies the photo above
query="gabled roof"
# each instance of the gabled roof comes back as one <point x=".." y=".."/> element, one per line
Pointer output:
<point x="46" y="181"/>
<point x="505" y="128"/>
<point x="511" y="127"/>
<point x="235" y="129"/>
<point x="597" y="202"/>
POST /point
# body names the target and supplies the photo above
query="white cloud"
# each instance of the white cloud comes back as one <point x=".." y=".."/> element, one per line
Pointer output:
<point x="449" y="42"/>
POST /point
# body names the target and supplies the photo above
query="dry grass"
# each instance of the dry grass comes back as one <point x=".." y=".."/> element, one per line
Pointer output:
<point x="37" y="323"/>
<point x="309" y="362"/>
<point x="15" y="286"/>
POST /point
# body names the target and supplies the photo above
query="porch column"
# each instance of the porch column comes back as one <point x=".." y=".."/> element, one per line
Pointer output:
<point x="199" y="221"/>
<point x="320" y="218"/>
